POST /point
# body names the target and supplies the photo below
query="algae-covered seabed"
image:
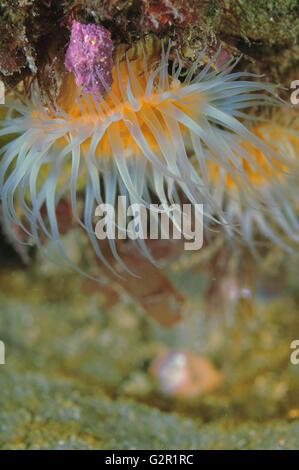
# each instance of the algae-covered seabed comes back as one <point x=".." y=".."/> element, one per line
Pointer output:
<point x="76" y="373"/>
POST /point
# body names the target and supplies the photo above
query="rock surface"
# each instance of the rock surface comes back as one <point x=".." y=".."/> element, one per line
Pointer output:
<point x="77" y="375"/>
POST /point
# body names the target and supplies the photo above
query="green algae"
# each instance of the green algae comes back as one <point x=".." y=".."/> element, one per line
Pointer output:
<point x="38" y="412"/>
<point x="274" y="22"/>
<point x="76" y="374"/>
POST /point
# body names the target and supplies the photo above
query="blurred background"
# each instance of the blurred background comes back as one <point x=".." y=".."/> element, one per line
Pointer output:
<point x="87" y="366"/>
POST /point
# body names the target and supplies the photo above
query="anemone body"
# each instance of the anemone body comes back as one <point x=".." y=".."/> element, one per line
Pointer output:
<point x="265" y="199"/>
<point x="153" y="136"/>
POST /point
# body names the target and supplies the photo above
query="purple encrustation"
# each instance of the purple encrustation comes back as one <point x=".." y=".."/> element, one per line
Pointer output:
<point x="89" y="57"/>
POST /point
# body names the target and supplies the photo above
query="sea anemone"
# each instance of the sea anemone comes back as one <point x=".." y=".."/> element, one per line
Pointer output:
<point x="150" y="138"/>
<point x="264" y="200"/>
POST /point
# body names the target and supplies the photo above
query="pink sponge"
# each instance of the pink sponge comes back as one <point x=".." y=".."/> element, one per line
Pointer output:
<point x="89" y="57"/>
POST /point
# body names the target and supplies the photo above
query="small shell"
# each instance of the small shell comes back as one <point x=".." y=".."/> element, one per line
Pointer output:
<point x="184" y="375"/>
